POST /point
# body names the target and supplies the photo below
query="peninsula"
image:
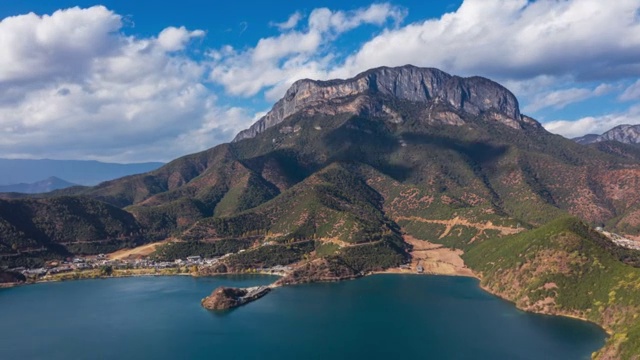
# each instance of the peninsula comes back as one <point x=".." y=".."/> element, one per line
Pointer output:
<point x="224" y="298"/>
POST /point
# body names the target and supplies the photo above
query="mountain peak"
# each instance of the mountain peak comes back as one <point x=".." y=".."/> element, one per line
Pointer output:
<point x="626" y="134"/>
<point x="49" y="184"/>
<point x="473" y="95"/>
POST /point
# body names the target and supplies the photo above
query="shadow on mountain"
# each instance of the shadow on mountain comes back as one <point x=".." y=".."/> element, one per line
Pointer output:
<point x="479" y="152"/>
<point x="372" y="142"/>
<point x="366" y="141"/>
<point x="287" y="162"/>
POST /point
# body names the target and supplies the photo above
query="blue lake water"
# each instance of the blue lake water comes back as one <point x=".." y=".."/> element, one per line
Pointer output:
<point x="376" y="317"/>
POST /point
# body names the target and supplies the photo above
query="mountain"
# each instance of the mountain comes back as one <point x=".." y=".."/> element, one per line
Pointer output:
<point x="562" y="268"/>
<point x="46" y="185"/>
<point x="626" y="134"/>
<point x="339" y="173"/>
<point x="82" y="172"/>
<point x="587" y="139"/>
<point x="35" y="230"/>
<point x="460" y="144"/>
<point x="408" y="83"/>
<point x="419" y="145"/>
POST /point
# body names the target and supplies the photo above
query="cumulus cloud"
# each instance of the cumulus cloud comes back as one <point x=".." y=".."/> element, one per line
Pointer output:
<point x="50" y="46"/>
<point x="275" y="62"/>
<point x="593" y="125"/>
<point x="531" y="46"/>
<point x="99" y="94"/>
<point x="502" y="39"/>
<point x="588" y="39"/>
<point x="174" y="39"/>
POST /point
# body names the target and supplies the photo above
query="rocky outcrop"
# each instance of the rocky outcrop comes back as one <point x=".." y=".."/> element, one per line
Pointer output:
<point x="473" y="95"/>
<point x="587" y="139"/>
<point x="626" y="134"/>
<point x="319" y="270"/>
<point x="216" y="269"/>
<point x="224" y="298"/>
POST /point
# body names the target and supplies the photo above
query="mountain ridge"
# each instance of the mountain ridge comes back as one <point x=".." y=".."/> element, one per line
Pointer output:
<point x="626" y="134"/>
<point x="471" y="94"/>
<point x="454" y="145"/>
<point x="49" y="184"/>
<point x="81" y="172"/>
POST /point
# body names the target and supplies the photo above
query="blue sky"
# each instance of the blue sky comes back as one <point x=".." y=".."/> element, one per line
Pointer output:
<point x="137" y="81"/>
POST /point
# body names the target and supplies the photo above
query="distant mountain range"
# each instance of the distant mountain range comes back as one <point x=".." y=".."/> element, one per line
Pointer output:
<point x="43" y="186"/>
<point x="626" y="134"/>
<point x="81" y="172"/>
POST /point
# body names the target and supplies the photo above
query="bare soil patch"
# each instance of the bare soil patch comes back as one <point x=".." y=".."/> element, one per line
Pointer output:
<point x="435" y="259"/>
<point x="137" y="252"/>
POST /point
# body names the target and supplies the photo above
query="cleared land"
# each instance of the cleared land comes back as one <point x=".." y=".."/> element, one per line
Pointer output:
<point x="450" y="224"/>
<point x="434" y="259"/>
<point x="137" y="252"/>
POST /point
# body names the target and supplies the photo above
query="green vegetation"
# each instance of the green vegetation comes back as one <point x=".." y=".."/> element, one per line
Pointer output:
<point x="180" y="250"/>
<point x="375" y="257"/>
<point x="324" y="250"/>
<point x="35" y="230"/>
<point x="11" y="277"/>
<point x="34" y="259"/>
<point x="243" y="225"/>
<point x="257" y="191"/>
<point x="102" y="247"/>
<point x="106" y="270"/>
<point x="168" y="218"/>
<point x="564" y="267"/>
<point x="270" y="255"/>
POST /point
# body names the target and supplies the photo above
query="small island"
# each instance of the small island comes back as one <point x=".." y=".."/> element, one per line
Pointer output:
<point x="224" y="298"/>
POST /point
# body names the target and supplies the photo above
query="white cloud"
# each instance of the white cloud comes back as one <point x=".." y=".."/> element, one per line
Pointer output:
<point x="593" y="125"/>
<point x="631" y="93"/>
<point x="324" y="20"/>
<point x="174" y="39"/>
<point x="558" y="99"/>
<point x="73" y="86"/>
<point x="275" y="62"/>
<point x="506" y="40"/>
<point x="517" y="39"/>
<point x="530" y="46"/>
<point x="291" y="23"/>
<point x="61" y="44"/>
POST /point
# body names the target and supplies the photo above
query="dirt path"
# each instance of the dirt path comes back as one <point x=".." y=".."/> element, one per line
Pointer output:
<point x="344" y="244"/>
<point x="137" y="252"/>
<point x="457" y="221"/>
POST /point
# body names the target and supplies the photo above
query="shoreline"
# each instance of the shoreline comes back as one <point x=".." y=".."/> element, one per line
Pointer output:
<point x="90" y="274"/>
<point x="393" y="271"/>
<point x="398" y="271"/>
<point x="608" y="331"/>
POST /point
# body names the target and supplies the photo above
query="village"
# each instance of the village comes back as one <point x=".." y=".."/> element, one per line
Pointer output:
<point x="103" y="261"/>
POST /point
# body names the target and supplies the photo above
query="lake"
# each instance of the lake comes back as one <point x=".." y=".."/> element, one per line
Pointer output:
<point x="376" y="317"/>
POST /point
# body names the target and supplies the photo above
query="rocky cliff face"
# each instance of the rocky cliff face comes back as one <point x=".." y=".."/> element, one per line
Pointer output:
<point x="474" y="95"/>
<point x="626" y="134"/>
